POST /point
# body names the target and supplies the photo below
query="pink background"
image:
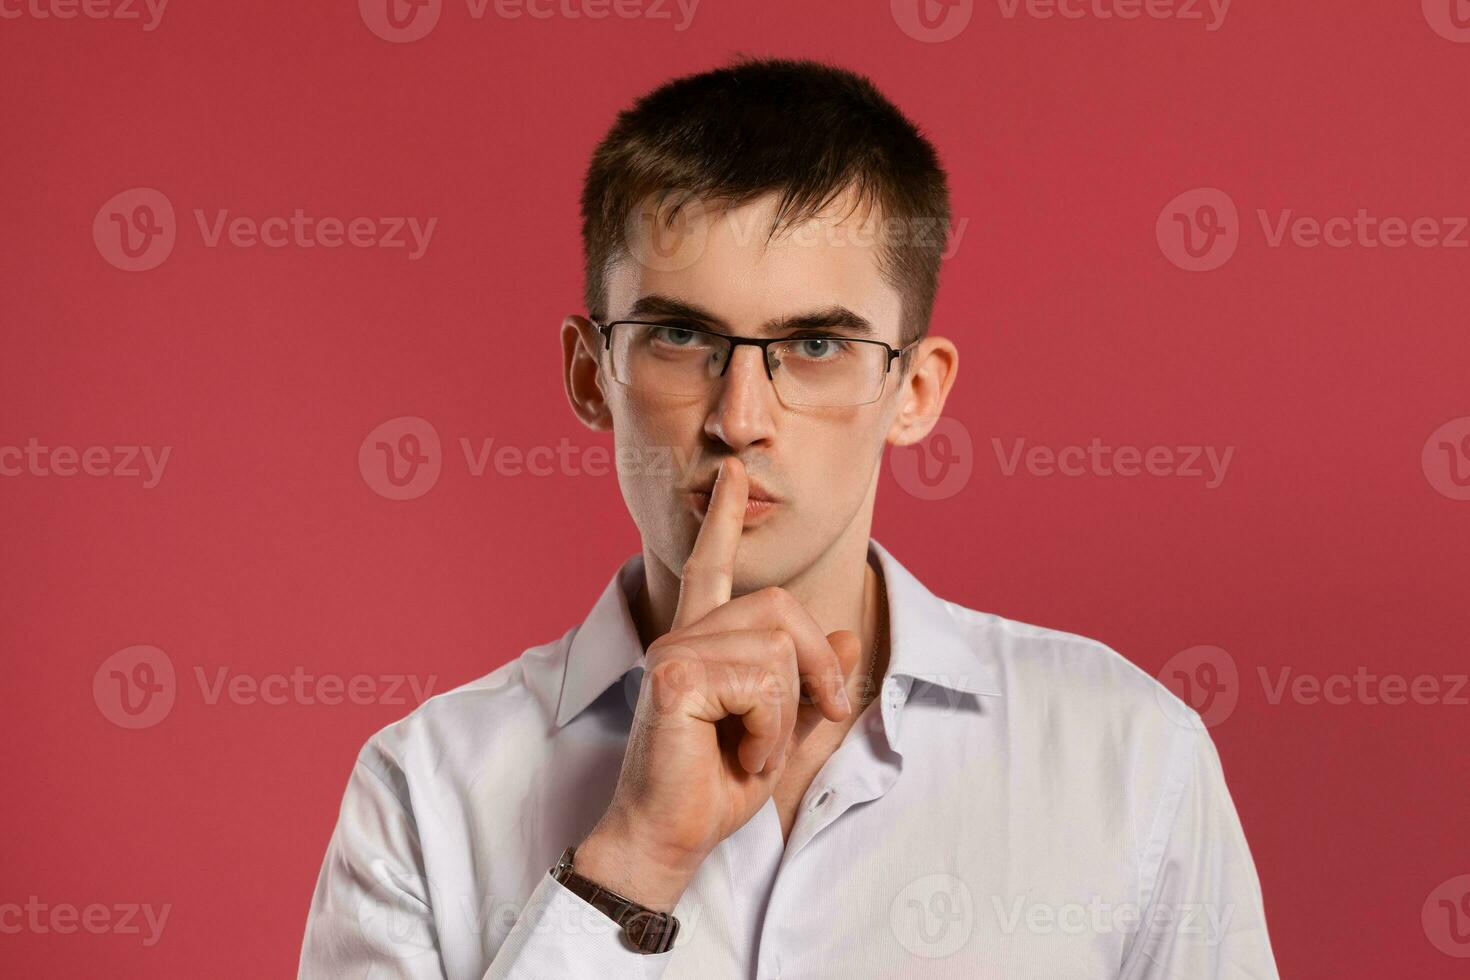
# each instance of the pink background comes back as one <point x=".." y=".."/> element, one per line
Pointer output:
<point x="1335" y="541"/>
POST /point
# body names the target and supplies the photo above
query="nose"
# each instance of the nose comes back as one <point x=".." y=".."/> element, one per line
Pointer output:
<point x="744" y="408"/>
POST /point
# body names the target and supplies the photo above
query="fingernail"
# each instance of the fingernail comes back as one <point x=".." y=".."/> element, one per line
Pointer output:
<point x="843" y="699"/>
<point x="720" y="474"/>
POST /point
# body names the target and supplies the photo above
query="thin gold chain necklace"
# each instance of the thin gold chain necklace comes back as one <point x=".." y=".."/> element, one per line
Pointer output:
<point x="878" y="635"/>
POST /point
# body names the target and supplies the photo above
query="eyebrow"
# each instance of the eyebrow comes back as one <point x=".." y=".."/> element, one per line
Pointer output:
<point x="833" y="317"/>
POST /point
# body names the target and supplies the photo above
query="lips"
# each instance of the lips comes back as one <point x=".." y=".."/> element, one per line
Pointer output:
<point x="757" y="510"/>
<point x="757" y="492"/>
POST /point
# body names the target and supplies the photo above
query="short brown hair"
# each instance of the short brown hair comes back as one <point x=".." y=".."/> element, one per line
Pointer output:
<point x="806" y="130"/>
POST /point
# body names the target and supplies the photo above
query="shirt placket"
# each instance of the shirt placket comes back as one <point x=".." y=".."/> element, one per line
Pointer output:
<point x="861" y="769"/>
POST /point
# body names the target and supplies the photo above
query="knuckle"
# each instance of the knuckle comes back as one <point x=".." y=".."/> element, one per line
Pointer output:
<point x="772" y="688"/>
<point x="724" y="677"/>
<point x="739" y="683"/>
<point x="779" y="599"/>
<point x="779" y="644"/>
<point x="664" y="650"/>
<point x="675" y="672"/>
<point x="753" y="679"/>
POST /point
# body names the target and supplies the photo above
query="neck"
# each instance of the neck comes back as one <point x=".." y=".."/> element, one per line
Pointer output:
<point x="840" y="589"/>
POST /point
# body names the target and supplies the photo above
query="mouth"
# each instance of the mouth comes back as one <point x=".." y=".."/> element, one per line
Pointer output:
<point x="758" y="502"/>
<point x="756" y="510"/>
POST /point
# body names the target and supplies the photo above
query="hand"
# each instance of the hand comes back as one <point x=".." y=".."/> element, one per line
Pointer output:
<point x="718" y="716"/>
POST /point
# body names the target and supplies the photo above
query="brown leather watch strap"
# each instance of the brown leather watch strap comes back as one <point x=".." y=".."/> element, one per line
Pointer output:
<point x="645" y="930"/>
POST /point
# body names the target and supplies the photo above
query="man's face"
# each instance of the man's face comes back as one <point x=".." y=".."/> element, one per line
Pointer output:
<point x="819" y="464"/>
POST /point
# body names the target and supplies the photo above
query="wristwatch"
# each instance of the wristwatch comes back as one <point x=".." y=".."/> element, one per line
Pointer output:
<point x="645" y="930"/>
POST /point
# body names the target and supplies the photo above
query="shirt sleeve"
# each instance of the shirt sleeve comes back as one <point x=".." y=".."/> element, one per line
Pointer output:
<point x="1202" y="913"/>
<point x="560" y="935"/>
<point x="372" y="915"/>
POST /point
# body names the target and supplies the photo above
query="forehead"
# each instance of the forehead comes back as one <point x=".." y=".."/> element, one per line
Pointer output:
<point x="718" y="259"/>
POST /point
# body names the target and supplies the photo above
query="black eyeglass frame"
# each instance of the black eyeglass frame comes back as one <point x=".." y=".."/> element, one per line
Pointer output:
<point x="764" y="343"/>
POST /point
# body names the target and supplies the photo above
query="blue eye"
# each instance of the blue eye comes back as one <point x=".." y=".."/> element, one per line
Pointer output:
<point x="818" y="348"/>
<point x="675" y="335"/>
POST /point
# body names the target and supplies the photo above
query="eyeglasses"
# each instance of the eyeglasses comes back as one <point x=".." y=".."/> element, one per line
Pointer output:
<point x="816" y="370"/>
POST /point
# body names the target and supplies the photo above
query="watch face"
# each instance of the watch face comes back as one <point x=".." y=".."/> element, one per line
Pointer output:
<point x="650" y="932"/>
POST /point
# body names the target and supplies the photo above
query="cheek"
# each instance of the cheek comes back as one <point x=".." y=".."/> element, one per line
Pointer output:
<point x="834" y="466"/>
<point x="656" y="447"/>
<point x="840" y="482"/>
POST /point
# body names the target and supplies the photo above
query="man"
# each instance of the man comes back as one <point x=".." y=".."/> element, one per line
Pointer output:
<point x="770" y="750"/>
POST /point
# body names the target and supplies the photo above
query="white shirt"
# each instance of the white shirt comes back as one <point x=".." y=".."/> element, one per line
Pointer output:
<point x="1019" y="802"/>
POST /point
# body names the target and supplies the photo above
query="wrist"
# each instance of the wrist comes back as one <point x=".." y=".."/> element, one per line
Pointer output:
<point x="620" y="861"/>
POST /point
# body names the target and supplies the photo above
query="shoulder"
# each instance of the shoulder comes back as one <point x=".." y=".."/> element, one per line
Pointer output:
<point x="1057" y="676"/>
<point x="514" y="704"/>
<point x="1100" y="731"/>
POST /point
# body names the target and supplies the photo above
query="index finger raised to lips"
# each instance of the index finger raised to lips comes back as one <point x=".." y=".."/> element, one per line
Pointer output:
<point x="710" y="571"/>
<point x="709" y="575"/>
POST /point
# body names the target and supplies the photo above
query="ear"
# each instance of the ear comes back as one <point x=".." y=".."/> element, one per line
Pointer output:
<point x="581" y="347"/>
<point x="922" y="393"/>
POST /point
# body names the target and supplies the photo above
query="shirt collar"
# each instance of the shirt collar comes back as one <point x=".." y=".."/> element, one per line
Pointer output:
<point x="926" y="640"/>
